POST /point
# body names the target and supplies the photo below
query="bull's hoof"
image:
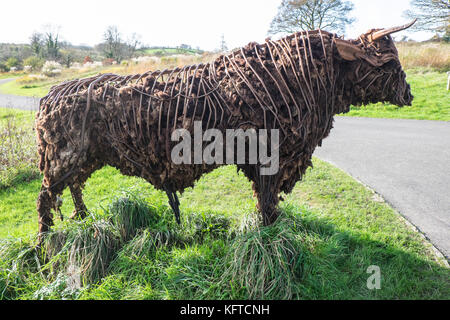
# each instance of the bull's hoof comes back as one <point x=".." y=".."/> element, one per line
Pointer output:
<point x="40" y="241"/>
<point x="78" y="215"/>
<point x="270" y="218"/>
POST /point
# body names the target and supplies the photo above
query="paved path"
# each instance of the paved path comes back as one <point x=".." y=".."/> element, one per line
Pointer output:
<point x="405" y="161"/>
<point x="23" y="103"/>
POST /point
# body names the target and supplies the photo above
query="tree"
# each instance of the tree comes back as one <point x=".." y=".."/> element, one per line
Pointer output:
<point x="113" y="44"/>
<point x="114" y="47"/>
<point x="46" y="45"/>
<point x="297" y="15"/>
<point x="34" y="62"/>
<point x="67" y="58"/>
<point x="432" y="15"/>
<point x="37" y="44"/>
<point x="131" y="45"/>
<point x="52" y="46"/>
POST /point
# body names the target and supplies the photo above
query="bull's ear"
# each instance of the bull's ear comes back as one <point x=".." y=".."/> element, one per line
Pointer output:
<point x="348" y="51"/>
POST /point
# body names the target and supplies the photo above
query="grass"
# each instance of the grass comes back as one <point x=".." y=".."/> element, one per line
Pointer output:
<point x="431" y="100"/>
<point x="431" y="55"/>
<point x="36" y="90"/>
<point x="332" y="229"/>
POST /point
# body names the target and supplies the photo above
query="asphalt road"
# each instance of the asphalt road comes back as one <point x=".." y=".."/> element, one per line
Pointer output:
<point x="405" y="161"/>
<point x="23" y="103"/>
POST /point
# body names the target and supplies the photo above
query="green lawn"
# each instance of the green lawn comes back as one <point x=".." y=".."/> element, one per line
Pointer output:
<point x="38" y="89"/>
<point x="24" y="118"/>
<point x="331" y="231"/>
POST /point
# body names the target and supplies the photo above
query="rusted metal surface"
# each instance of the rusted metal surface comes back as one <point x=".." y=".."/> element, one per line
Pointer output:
<point x="296" y="85"/>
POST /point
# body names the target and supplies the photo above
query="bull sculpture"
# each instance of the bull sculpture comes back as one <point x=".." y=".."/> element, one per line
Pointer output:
<point x="295" y="85"/>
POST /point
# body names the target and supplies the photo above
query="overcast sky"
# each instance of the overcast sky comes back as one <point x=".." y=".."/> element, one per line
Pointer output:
<point x="172" y="22"/>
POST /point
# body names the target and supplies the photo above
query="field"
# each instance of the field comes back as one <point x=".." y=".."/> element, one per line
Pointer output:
<point x="431" y="55"/>
<point x="431" y="99"/>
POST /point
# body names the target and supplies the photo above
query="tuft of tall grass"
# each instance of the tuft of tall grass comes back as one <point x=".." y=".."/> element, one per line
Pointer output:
<point x="130" y="214"/>
<point x="200" y="226"/>
<point x="19" y="267"/>
<point x="265" y="262"/>
<point x="85" y="248"/>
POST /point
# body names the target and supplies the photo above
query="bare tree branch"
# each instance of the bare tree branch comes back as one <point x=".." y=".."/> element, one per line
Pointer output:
<point x="297" y="15"/>
<point x="433" y="15"/>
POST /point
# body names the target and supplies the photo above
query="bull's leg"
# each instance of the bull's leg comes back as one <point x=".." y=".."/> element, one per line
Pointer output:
<point x="45" y="216"/>
<point x="57" y="207"/>
<point x="77" y="197"/>
<point x="266" y="190"/>
<point x="76" y="185"/>
<point x="174" y="203"/>
<point x="48" y="199"/>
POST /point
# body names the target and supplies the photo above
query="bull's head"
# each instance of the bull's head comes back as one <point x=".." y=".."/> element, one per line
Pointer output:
<point x="375" y="68"/>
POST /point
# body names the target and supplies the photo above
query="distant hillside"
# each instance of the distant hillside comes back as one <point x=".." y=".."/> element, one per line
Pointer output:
<point x="164" y="51"/>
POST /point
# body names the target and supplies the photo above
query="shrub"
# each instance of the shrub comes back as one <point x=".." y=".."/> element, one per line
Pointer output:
<point x="51" y="68"/>
<point x="34" y="62"/>
<point x="13" y="63"/>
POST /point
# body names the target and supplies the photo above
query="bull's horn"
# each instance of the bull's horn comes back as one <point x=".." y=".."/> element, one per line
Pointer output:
<point x="382" y="33"/>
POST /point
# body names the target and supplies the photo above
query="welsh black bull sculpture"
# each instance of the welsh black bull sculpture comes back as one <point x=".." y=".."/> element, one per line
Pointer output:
<point x="295" y="85"/>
